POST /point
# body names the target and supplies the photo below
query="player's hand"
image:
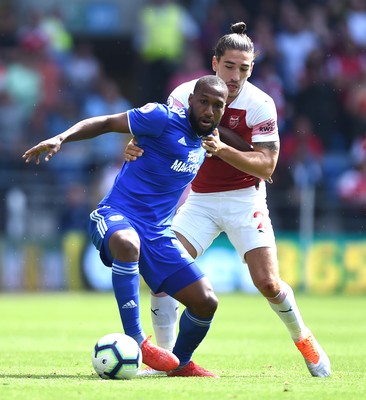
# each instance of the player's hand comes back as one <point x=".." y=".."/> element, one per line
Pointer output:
<point x="212" y="143"/>
<point x="132" y="151"/>
<point x="51" y="146"/>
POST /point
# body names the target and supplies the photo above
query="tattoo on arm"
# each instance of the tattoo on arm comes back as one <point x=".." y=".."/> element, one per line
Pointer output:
<point x="273" y="146"/>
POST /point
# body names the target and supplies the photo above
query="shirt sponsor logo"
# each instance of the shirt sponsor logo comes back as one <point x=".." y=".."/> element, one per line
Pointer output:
<point x="191" y="165"/>
<point x="269" y="126"/>
<point x="181" y="166"/>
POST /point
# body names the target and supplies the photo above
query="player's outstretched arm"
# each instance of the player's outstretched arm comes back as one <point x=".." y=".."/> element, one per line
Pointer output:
<point x="51" y="146"/>
<point x="85" y="129"/>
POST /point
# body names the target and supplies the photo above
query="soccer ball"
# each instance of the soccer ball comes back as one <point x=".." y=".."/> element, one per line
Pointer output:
<point x="116" y="356"/>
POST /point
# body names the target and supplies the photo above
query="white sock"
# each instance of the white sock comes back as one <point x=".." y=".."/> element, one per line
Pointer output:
<point x="284" y="305"/>
<point x="164" y="316"/>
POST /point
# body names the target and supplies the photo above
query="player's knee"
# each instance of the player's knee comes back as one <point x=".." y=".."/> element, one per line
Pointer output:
<point x="212" y="303"/>
<point x="207" y="305"/>
<point x="268" y="287"/>
<point x="125" y="245"/>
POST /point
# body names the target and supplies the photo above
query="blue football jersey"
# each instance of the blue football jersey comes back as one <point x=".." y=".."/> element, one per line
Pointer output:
<point x="147" y="190"/>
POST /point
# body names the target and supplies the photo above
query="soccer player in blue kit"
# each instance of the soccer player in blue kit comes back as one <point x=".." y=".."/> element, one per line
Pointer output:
<point x="131" y="227"/>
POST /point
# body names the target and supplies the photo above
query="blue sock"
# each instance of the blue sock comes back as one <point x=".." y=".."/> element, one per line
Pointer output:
<point x="126" y="286"/>
<point x="192" y="331"/>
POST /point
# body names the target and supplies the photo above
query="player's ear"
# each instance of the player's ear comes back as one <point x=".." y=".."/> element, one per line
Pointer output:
<point x="214" y="63"/>
<point x="251" y="69"/>
<point x="190" y="99"/>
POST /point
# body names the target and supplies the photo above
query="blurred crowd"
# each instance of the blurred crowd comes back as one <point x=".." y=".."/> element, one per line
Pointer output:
<point x="311" y="58"/>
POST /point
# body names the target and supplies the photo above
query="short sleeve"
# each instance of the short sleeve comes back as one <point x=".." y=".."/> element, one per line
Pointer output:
<point x="149" y="120"/>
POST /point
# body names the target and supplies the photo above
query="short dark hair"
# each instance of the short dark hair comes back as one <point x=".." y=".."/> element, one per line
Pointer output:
<point x="209" y="80"/>
<point x="236" y="40"/>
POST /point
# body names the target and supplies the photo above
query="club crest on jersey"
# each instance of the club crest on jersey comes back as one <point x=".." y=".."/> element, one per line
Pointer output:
<point x="148" y="107"/>
<point x="194" y="156"/>
<point x="234" y="121"/>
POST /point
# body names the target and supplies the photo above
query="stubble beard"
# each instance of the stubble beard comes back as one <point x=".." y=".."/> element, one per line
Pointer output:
<point x="195" y="126"/>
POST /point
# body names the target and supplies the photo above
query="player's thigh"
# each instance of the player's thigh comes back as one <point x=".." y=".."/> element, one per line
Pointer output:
<point x="247" y="224"/>
<point x="196" y="222"/>
<point x="165" y="264"/>
<point x="104" y="222"/>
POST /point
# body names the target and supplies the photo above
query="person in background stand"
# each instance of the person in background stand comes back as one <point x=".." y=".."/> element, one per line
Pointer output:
<point x="165" y="31"/>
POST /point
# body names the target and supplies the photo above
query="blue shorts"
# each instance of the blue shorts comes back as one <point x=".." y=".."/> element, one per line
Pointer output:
<point x="164" y="263"/>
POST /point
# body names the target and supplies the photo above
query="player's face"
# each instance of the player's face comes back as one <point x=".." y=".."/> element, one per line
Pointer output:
<point x="206" y="110"/>
<point x="234" y="68"/>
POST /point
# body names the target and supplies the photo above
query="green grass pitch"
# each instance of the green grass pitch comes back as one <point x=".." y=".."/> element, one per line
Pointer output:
<point x="46" y="342"/>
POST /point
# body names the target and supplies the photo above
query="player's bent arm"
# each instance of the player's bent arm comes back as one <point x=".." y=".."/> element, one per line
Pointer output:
<point x="270" y="152"/>
<point x="261" y="162"/>
<point x="232" y="139"/>
<point x="85" y="129"/>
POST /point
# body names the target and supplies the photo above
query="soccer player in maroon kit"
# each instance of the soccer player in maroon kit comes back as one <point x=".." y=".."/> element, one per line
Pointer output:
<point x="229" y="195"/>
